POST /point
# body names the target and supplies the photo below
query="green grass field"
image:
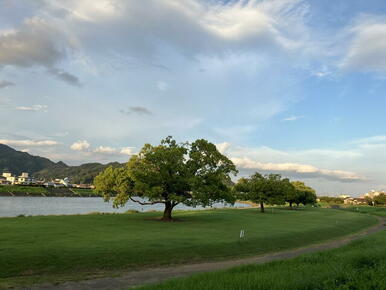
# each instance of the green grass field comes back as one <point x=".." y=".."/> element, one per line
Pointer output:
<point x="43" y="191"/>
<point x="58" y="248"/>
<point x="375" y="210"/>
<point x="359" y="265"/>
<point x="84" y="192"/>
<point x="24" y="189"/>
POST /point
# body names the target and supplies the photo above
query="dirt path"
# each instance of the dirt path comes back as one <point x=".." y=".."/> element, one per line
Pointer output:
<point x="155" y="275"/>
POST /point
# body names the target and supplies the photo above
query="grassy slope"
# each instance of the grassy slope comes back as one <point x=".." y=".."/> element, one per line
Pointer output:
<point x="40" y="191"/>
<point x="375" y="210"/>
<point x="41" y="248"/>
<point x="23" y="189"/>
<point x="359" y="265"/>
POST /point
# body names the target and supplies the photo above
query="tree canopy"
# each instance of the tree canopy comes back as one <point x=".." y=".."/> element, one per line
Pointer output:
<point x="170" y="173"/>
<point x="273" y="189"/>
<point x="303" y="194"/>
<point x="264" y="189"/>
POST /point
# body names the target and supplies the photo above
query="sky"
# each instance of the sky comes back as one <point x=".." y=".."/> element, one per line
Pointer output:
<point x="293" y="87"/>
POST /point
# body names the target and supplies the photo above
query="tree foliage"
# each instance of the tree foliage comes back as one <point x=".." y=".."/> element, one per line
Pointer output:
<point x="170" y="173"/>
<point x="273" y="189"/>
<point x="303" y="193"/>
<point x="264" y="189"/>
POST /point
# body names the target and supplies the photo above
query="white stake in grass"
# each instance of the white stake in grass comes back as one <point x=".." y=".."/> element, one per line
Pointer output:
<point x="242" y="234"/>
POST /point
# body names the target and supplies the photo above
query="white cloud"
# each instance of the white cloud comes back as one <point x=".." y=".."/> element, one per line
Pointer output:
<point x="81" y="145"/>
<point x="105" y="150"/>
<point x="310" y="164"/>
<point x="114" y="151"/>
<point x="223" y="147"/>
<point x="367" y="50"/>
<point x="293" y="118"/>
<point x="301" y="170"/>
<point x="127" y="151"/>
<point x="36" y="143"/>
<point x="192" y="27"/>
<point x="162" y="86"/>
<point x="371" y="140"/>
<point x="34" y="108"/>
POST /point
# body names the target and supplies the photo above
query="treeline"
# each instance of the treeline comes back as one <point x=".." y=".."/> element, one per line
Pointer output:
<point x="274" y="190"/>
<point x="331" y="200"/>
<point x="378" y="200"/>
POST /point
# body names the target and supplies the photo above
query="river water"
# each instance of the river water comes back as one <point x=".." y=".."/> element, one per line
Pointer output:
<point x="16" y="205"/>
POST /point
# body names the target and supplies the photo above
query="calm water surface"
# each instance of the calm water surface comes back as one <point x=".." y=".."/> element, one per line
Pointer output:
<point x="15" y="205"/>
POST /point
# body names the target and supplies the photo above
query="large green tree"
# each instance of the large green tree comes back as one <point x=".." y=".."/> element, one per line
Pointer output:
<point x="170" y="173"/>
<point x="263" y="189"/>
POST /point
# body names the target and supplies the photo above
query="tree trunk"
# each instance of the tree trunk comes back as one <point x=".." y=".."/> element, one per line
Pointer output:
<point x="168" y="211"/>
<point x="290" y="204"/>
<point x="261" y="206"/>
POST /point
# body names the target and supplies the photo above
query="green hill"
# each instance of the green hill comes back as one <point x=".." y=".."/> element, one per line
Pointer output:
<point x="17" y="162"/>
<point x="84" y="173"/>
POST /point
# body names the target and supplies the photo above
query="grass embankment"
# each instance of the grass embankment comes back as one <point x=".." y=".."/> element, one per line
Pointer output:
<point x="359" y="265"/>
<point x="25" y="190"/>
<point x="58" y="248"/>
<point x="21" y="189"/>
<point x="375" y="210"/>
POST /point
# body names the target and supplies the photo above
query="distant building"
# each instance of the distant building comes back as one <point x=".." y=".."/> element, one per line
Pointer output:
<point x="9" y="178"/>
<point x="24" y="178"/>
<point x="4" y="181"/>
<point x="344" y="196"/>
<point x="355" y="201"/>
<point x="63" y="182"/>
<point x="84" y="186"/>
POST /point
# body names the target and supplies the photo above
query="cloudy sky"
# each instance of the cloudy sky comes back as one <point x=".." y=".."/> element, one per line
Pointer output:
<point x="286" y="86"/>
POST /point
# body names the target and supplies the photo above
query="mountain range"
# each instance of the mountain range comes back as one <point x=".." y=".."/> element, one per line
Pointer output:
<point x="17" y="162"/>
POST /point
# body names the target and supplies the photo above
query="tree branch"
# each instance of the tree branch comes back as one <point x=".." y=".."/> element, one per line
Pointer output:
<point x="145" y="203"/>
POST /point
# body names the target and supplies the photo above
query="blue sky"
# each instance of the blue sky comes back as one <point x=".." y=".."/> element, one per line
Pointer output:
<point x="292" y="86"/>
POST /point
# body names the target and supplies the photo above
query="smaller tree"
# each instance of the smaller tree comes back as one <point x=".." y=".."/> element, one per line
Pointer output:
<point x="262" y="189"/>
<point x="304" y="194"/>
<point x="380" y="199"/>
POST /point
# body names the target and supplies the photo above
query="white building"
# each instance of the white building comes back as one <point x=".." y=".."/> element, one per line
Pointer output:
<point x="24" y="178"/>
<point x="8" y="177"/>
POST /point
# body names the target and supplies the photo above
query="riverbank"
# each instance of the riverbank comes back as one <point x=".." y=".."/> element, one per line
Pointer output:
<point x="20" y="190"/>
<point x="62" y="248"/>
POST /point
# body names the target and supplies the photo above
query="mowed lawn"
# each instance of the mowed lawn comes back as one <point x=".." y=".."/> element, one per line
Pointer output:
<point x="359" y="265"/>
<point x="57" y="248"/>
<point x="375" y="210"/>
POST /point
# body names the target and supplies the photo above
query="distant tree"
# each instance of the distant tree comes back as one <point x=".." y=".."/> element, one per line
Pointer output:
<point x="303" y="193"/>
<point x="331" y="200"/>
<point x="170" y="173"/>
<point x="263" y="189"/>
<point x="369" y="200"/>
<point x="380" y="199"/>
<point x="291" y="194"/>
